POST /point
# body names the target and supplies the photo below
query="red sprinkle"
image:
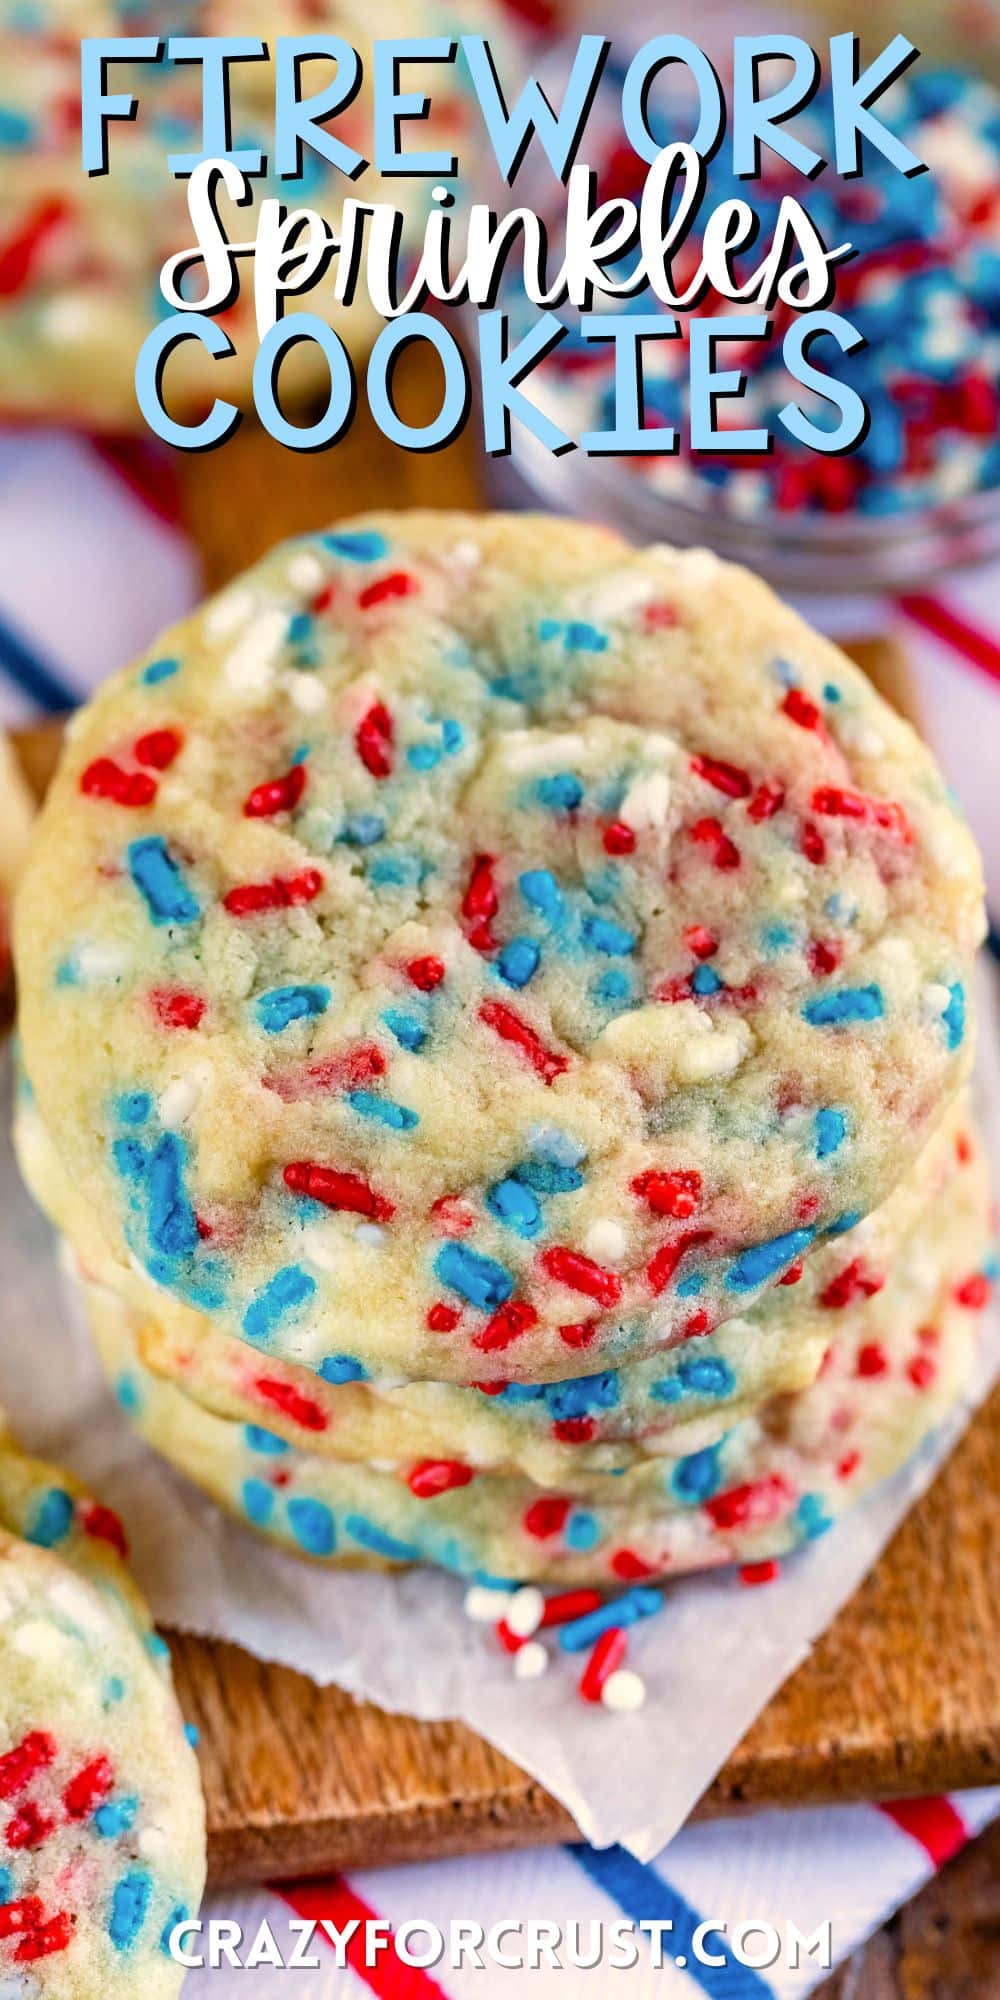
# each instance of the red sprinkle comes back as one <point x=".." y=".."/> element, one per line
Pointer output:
<point x="442" y="1318"/>
<point x="753" y="1574"/>
<point x="619" y="838"/>
<point x="451" y="1215"/>
<point x="921" y="1371"/>
<point x="569" y="1604"/>
<point x="88" y="1789"/>
<point x="581" y="1274"/>
<point x="396" y="584"/>
<point x="660" y="616"/>
<point x="605" y="1660"/>
<point x="425" y="973"/>
<point x="508" y="1323"/>
<point x="159" y="748"/>
<point x="20" y="253"/>
<point x="853" y="1282"/>
<point x="872" y="1360"/>
<point x="767" y="800"/>
<point x="823" y="955"/>
<point x="348" y="1069"/>
<point x="574" y="1430"/>
<point x="106" y="780"/>
<point x="835" y="803"/>
<point x="709" y="833"/>
<point x="629" y="1567"/>
<point x="547" y="1517"/>
<point x="728" y="778"/>
<point x="694" y="1327"/>
<point x="103" y="1525"/>
<point x="974" y="1292"/>
<point x="176" y="1008"/>
<point x="848" y="1464"/>
<point x="663" y="1264"/>
<point x="438" y="1475"/>
<point x="798" y="708"/>
<point x="278" y="795"/>
<point x="793" y="1273"/>
<point x="700" y="942"/>
<point x="373" y="740"/>
<point x="677" y="1194"/>
<point x="480" y="903"/>
<point x="813" y="844"/>
<point x="510" y="1641"/>
<point x="18" y="1766"/>
<point x="29" y="1827"/>
<point x="283" y="892"/>
<point x="511" y="1027"/>
<point x="335" y="1188"/>
<point x="301" y="1410"/>
<point x="43" y="1940"/>
<point x="754" y="1505"/>
<point x="580" y="1333"/>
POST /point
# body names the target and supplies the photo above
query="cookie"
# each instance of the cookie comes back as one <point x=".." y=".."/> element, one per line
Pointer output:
<point x="15" y="821"/>
<point x="774" y="1482"/>
<point x="80" y="258"/>
<point x="404" y="929"/>
<point x="669" y="1404"/>
<point x="103" y="1838"/>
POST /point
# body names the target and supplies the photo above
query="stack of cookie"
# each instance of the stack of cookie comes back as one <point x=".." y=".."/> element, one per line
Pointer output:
<point x="495" y="1012"/>
<point x="104" y="1826"/>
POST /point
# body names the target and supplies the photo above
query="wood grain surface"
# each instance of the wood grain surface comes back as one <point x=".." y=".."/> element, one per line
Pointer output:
<point x="901" y="1695"/>
<point x="945" y="1945"/>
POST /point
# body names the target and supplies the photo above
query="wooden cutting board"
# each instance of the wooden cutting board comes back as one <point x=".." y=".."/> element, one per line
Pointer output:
<point x="902" y="1694"/>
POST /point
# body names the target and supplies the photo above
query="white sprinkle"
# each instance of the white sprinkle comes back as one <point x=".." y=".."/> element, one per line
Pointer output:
<point x="178" y="1101"/>
<point x="97" y="962"/>
<point x="647" y="801"/>
<point x="485" y="1607"/>
<point x="524" y="1612"/>
<point x="152" y="1842"/>
<point x="464" y="555"/>
<point x="306" y="572"/>
<point x="606" y="1241"/>
<point x="936" y="998"/>
<point x="370" y="1234"/>
<point x="71" y="318"/>
<point x="307" y="693"/>
<point x="39" y="1641"/>
<point x="249" y="668"/>
<point x="623" y="1691"/>
<point x="618" y="594"/>
<point x="227" y="613"/>
<point x="530" y="1661"/>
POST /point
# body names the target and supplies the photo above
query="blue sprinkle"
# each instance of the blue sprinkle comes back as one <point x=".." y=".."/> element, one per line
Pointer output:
<point x="129" y="1905"/>
<point x="480" y="1280"/>
<point x="812" y="1516"/>
<point x="586" y="638"/>
<point x="580" y="1633"/>
<point x="299" y="628"/>
<point x="52" y="1520"/>
<point x="127" y="1395"/>
<point x="360" y="546"/>
<point x="6" y="1887"/>
<point x="160" y="670"/>
<point x="312" y="1525"/>
<point x="690" y="1287"/>
<point x="704" y="980"/>
<point x="265" y="1442"/>
<point x="777" y="937"/>
<point x="561" y="793"/>
<point x="423" y="756"/>
<point x="852" y="1003"/>
<point x="193" y="1734"/>
<point x="953" y="1017"/>
<point x="539" y="887"/>
<point x="518" y="961"/>
<point x="173" y="1228"/>
<point x="844" y="1222"/>
<point x="16" y="128"/>
<point x="115" y="1818"/>
<point x="363" y="830"/>
<point x="580" y="1394"/>
<point x="280" y="1296"/>
<point x="114" y="1691"/>
<point x="160" y="883"/>
<point x="396" y="870"/>
<point x="338" y="1368"/>
<point x="376" y="1539"/>
<point x="831" y="692"/>
<point x="157" y="1648"/>
<point x="258" y="1502"/>
<point x="178" y="1915"/>
<point x="134" y="1108"/>
<point x="284" y="1004"/>
<point x="764" y="1260"/>
<point x="582" y="1532"/>
<point x="515" y="1206"/>
<point x="549" y="1176"/>
<point x="515" y="687"/>
<point x="408" y="1031"/>
<point x="613" y="985"/>
<point x="452" y="736"/>
<point x="697" y="1477"/>
<point x="831" y="1131"/>
<point x="549" y="628"/>
<point x="705" y="1376"/>
<point x="384" y="1110"/>
<point x="611" y="939"/>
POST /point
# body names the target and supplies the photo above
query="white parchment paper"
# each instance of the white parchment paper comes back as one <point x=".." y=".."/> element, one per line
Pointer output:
<point x="711" y="1659"/>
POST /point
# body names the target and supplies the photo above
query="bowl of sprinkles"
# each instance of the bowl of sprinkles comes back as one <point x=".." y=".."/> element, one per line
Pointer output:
<point x="920" y="493"/>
